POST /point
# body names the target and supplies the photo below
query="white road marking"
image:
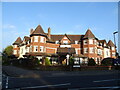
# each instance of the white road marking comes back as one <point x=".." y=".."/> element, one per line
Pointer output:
<point x="112" y="87"/>
<point x="47" y="86"/>
<point x="106" y="80"/>
<point x="7" y="82"/>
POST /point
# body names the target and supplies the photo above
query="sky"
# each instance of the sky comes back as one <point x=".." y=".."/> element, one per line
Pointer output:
<point x="62" y="17"/>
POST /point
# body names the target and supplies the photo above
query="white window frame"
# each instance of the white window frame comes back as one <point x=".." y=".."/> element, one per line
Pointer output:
<point x="27" y="49"/>
<point x="57" y="42"/>
<point x="107" y="53"/>
<point x="35" y="38"/>
<point x="85" y="42"/>
<point x="95" y="42"/>
<point x="91" y="50"/>
<point x="35" y="48"/>
<point x="76" y="42"/>
<point x="113" y="48"/>
<point x="99" y="52"/>
<point x="90" y="41"/>
<point x="104" y="44"/>
<point x="15" y="46"/>
<point x="65" y="38"/>
<point x="15" y="51"/>
<point x="85" y="50"/>
<point x="41" y="48"/>
<point x="96" y="50"/>
<point x="42" y="39"/>
<point x="76" y="51"/>
<point x="113" y="53"/>
<point x="30" y="48"/>
<point x="65" y="42"/>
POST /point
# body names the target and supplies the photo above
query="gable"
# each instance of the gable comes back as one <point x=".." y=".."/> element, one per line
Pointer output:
<point x="65" y="39"/>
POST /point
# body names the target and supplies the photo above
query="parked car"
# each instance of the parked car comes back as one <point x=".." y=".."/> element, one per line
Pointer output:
<point x="116" y="62"/>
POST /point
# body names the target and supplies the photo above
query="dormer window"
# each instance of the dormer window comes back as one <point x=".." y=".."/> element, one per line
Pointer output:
<point x="56" y="42"/>
<point x="15" y="46"/>
<point x="76" y="42"/>
<point x="113" y="48"/>
<point x="104" y="45"/>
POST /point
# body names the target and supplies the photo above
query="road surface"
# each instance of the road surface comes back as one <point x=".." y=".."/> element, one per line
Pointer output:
<point x="17" y="78"/>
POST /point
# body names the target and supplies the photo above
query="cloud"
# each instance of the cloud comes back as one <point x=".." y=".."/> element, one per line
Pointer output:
<point x="9" y="26"/>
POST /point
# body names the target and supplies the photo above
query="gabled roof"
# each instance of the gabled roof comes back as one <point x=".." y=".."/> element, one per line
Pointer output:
<point x="110" y="43"/>
<point x="72" y="38"/>
<point x="18" y="41"/>
<point x="38" y="31"/>
<point x="89" y="34"/>
<point x="102" y="41"/>
<point x="26" y="38"/>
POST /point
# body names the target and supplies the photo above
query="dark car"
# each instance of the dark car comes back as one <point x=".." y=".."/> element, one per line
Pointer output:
<point x="116" y="61"/>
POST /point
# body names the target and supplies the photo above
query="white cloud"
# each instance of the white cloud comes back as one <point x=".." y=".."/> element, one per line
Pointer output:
<point x="9" y="26"/>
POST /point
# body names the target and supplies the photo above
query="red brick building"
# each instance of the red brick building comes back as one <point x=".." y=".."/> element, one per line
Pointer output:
<point x="80" y="47"/>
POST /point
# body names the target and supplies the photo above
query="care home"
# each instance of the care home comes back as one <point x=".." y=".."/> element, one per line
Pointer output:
<point x="60" y="47"/>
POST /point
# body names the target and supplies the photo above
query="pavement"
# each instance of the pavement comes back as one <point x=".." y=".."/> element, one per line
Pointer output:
<point x="24" y="79"/>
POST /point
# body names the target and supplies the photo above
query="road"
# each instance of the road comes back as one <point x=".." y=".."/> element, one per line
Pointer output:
<point x="58" y="80"/>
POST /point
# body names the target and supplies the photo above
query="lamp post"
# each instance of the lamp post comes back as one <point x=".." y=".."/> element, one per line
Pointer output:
<point x="114" y="37"/>
<point x="115" y="40"/>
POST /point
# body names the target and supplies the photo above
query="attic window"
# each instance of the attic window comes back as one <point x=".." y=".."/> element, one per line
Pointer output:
<point x="57" y="42"/>
<point x="76" y="42"/>
<point x="65" y="37"/>
<point x="65" y="42"/>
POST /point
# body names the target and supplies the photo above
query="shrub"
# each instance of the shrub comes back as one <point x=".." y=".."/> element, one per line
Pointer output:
<point x="91" y="62"/>
<point x="47" y="61"/>
<point x="107" y="62"/>
<point x="71" y="61"/>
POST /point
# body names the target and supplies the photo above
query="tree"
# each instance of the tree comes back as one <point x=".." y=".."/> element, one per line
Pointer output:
<point x="6" y="54"/>
<point x="8" y="50"/>
<point x="91" y="62"/>
<point x="107" y="62"/>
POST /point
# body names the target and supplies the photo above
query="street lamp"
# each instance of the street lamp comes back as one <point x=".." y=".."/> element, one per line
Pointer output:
<point x="115" y="40"/>
<point x="114" y="37"/>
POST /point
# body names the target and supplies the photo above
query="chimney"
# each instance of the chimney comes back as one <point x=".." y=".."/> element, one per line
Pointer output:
<point x="49" y="31"/>
<point x="31" y="31"/>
